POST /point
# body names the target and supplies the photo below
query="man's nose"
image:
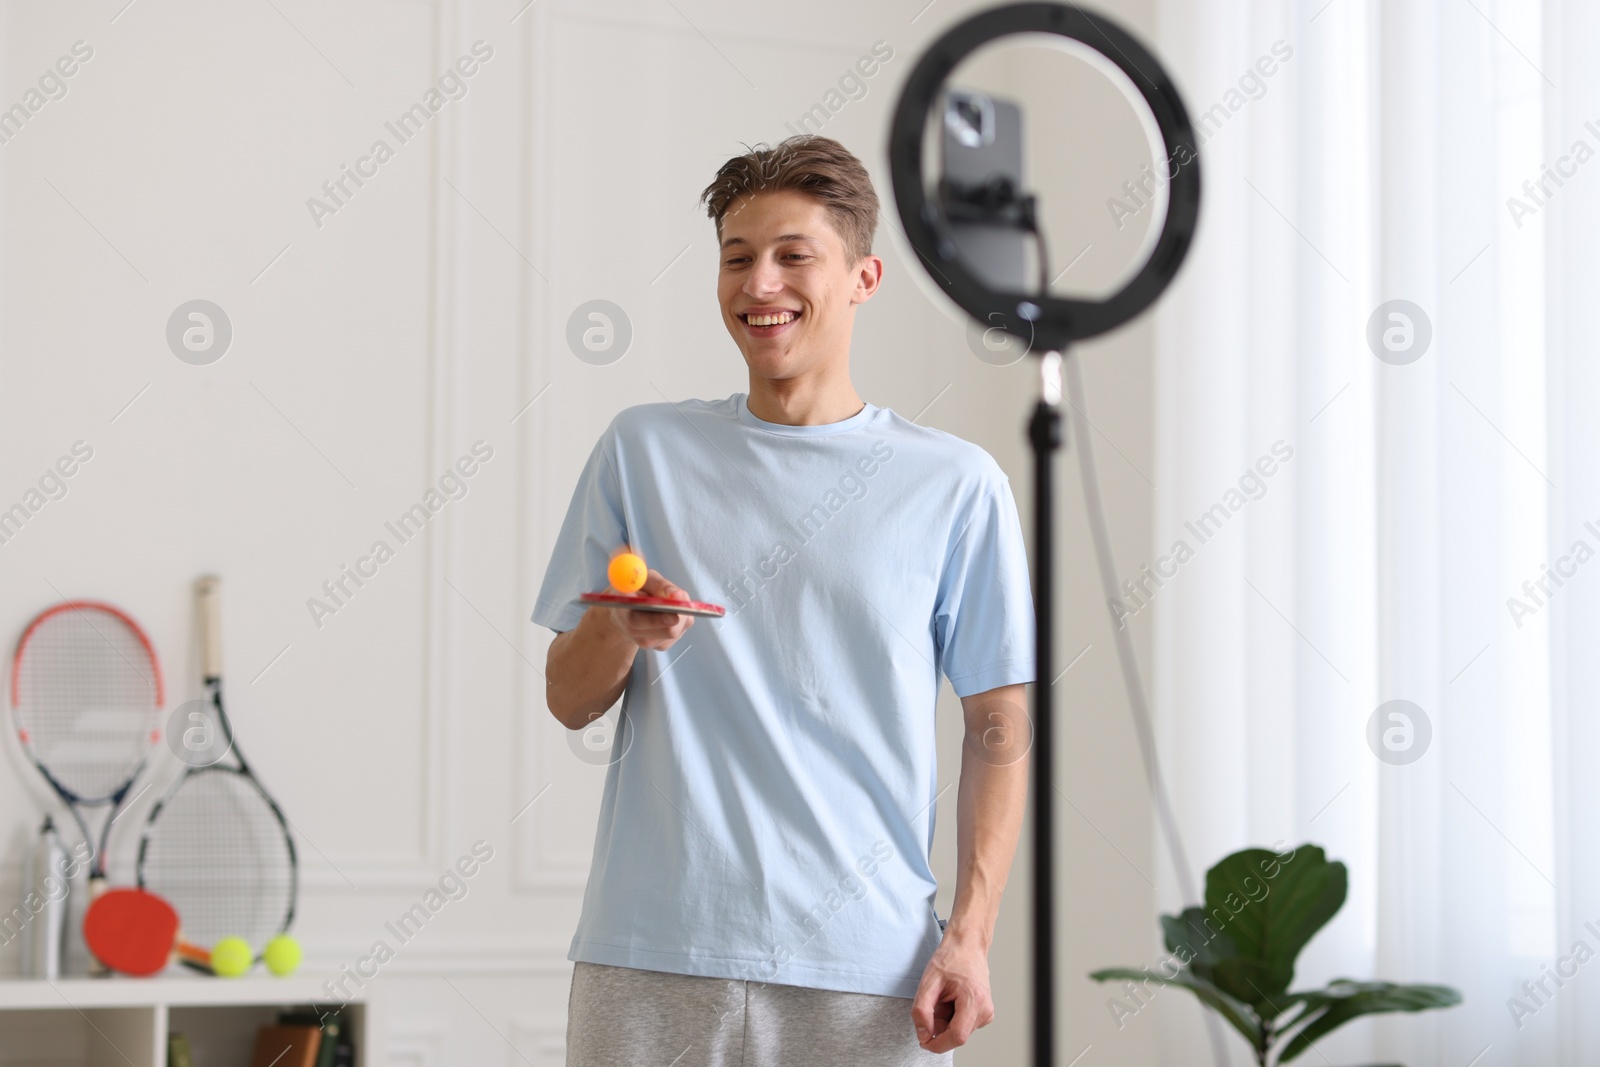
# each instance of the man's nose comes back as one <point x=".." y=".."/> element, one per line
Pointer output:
<point x="764" y="277"/>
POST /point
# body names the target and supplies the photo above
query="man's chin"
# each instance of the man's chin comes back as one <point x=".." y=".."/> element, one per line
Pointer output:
<point x="774" y="364"/>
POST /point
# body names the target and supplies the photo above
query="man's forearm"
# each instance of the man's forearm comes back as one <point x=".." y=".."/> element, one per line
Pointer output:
<point x="586" y="671"/>
<point x="990" y="802"/>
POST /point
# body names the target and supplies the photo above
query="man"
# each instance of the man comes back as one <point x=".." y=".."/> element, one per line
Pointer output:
<point x="760" y="892"/>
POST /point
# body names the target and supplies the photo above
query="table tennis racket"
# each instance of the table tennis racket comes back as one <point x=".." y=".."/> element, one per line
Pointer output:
<point x="135" y="932"/>
<point x="640" y="602"/>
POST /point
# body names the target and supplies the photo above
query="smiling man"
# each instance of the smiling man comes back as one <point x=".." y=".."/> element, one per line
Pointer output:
<point x="761" y="892"/>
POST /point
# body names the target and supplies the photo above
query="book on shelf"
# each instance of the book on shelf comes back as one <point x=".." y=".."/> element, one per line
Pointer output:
<point x="295" y="1045"/>
<point x="331" y="1023"/>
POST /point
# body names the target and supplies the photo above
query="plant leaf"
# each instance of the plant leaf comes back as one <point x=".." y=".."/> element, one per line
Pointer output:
<point x="1269" y="907"/>
<point x="1344" y="999"/>
<point x="1197" y="946"/>
<point x="1239" y="1016"/>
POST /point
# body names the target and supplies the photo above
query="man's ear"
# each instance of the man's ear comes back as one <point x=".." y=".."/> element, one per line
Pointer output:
<point x="869" y="276"/>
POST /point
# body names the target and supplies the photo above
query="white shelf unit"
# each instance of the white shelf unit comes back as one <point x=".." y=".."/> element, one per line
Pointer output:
<point x="118" y="1022"/>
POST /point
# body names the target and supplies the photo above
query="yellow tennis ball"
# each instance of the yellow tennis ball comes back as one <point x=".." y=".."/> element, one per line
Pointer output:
<point x="231" y="957"/>
<point x="282" y="955"/>
<point x="627" y="573"/>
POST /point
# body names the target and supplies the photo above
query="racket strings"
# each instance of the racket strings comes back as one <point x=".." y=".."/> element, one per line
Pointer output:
<point x="218" y="852"/>
<point x="86" y="700"/>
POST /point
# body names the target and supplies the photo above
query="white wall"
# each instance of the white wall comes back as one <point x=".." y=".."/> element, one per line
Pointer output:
<point x="371" y="351"/>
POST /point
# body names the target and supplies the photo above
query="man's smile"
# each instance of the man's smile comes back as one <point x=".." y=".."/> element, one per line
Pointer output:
<point x="769" y="322"/>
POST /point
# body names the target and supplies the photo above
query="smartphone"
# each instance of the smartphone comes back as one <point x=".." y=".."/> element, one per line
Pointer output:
<point x="982" y="140"/>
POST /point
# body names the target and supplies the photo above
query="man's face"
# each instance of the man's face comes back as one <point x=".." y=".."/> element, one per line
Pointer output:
<point x="782" y="255"/>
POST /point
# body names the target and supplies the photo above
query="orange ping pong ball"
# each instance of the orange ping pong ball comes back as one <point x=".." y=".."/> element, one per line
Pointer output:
<point x="627" y="572"/>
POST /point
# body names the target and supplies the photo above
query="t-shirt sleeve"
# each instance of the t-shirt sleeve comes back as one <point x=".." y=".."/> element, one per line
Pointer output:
<point x="983" y="621"/>
<point x="590" y="534"/>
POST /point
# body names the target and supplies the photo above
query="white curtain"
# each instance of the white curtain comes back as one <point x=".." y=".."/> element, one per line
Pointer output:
<point x="1385" y="160"/>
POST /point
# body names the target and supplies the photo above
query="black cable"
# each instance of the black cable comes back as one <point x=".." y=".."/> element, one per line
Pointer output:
<point x="1030" y="218"/>
<point x="1100" y="531"/>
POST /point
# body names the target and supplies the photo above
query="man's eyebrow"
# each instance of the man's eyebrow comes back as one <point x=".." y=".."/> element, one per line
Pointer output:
<point x="785" y="237"/>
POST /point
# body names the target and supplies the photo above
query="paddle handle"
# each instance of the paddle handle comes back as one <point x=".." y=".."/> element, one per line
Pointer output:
<point x="190" y="953"/>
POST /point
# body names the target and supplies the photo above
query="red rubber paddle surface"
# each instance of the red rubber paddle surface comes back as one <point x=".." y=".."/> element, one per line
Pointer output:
<point x="131" y="931"/>
<point x="639" y="602"/>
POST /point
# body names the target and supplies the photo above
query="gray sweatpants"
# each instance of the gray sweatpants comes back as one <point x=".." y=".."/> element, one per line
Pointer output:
<point x="624" y="1017"/>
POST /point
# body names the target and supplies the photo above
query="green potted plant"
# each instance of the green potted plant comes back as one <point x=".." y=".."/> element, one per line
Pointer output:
<point x="1237" y="955"/>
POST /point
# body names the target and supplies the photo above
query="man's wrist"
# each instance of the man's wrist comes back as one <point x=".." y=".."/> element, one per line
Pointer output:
<point x="602" y="627"/>
<point x="968" y="932"/>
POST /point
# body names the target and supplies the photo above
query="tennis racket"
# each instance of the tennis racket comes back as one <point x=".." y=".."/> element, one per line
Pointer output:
<point x="216" y="846"/>
<point x="86" y="695"/>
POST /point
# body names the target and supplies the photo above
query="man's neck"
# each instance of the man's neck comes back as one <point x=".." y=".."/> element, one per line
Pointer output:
<point x="798" y="402"/>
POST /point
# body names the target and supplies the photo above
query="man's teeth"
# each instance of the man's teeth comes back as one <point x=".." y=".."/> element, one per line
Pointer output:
<point x="770" y="320"/>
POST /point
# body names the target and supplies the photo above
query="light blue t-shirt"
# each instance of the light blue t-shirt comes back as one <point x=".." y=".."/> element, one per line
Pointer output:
<point x="772" y="813"/>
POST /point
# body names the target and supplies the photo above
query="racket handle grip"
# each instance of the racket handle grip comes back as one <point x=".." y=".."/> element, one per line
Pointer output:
<point x="97" y="886"/>
<point x="193" y="955"/>
<point x="207" y="590"/>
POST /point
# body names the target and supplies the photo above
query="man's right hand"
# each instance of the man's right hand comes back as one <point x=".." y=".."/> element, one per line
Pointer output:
<point x="653" y="630"/>
<point x="587" y="667"/>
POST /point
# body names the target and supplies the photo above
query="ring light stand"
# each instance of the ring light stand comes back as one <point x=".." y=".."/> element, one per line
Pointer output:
<point x="1051" y="324"/>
